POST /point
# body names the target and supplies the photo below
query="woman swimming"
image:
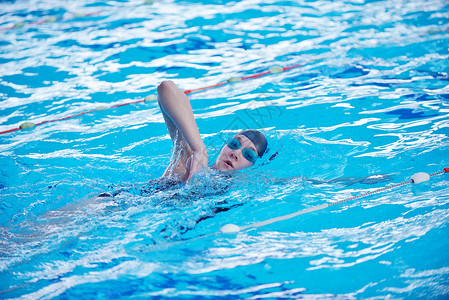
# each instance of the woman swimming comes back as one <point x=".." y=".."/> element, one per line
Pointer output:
<point x="189" y="153"/>
<point x="189" y="156"/>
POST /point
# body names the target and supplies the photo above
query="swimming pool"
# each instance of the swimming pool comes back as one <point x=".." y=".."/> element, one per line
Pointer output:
<point x="370" y="98"/>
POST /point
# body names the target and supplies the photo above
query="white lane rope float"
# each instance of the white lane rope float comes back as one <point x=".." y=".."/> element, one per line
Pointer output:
<point x="151" y="98"/>
<point x="415" y="179"/>
<point x="232" y="228"/>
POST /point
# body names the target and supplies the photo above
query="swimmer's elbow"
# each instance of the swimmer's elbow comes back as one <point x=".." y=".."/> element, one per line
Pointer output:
<point x="165" y="85"/>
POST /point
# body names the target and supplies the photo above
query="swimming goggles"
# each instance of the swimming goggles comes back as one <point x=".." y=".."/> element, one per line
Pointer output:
<point x="248" y="154"/>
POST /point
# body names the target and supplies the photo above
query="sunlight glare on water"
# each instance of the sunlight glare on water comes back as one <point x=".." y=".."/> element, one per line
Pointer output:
<point x="366" y="107"/>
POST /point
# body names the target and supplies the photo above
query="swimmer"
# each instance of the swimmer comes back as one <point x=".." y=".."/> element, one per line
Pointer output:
<point x="189" y="153"/>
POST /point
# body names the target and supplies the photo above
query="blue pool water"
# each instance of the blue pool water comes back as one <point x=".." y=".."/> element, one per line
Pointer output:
<point x="372" y="98"/>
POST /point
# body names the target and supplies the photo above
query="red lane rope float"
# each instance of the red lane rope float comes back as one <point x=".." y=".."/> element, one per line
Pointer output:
<point x="272" y="70"/>
<point x="415" y="179"/>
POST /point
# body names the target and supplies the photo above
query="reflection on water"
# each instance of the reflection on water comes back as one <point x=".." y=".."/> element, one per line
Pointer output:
<point x="370" y="99"/>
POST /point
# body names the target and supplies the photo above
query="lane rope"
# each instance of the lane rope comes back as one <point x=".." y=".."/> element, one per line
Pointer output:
<point x="149" y="98"/>
<point x="51" y="20"/>
<point x="61" y="18"/>
<point x="232" y="228"/>
<point x="415" y="179"/>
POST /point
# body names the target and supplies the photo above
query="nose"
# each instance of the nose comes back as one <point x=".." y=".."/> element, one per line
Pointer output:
<point x="234" y="154"/>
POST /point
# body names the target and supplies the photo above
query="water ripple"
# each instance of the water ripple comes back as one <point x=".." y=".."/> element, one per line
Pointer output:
<point x="371" y="98"/>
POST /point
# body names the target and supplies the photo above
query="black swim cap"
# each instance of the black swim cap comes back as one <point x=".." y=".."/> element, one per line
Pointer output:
<point x="258" y="140"/>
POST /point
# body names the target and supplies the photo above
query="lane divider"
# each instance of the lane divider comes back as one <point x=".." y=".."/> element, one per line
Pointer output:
<point x="55" y="19"/>
<point x="233" y="229"/>
<point x="272" y="70"/>
<point x="415" y="179"/>
<point x="149" y="98"/>
<point x="51" y="20"/>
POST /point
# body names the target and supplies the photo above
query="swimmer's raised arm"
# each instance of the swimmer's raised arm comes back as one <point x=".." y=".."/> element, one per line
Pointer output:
<point x="181" y="125"/>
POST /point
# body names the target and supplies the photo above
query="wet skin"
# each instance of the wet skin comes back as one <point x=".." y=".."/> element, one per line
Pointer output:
<point x="233" y="160"/>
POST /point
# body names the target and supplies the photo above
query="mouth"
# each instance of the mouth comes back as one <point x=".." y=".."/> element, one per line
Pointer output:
<point x="228" y="163"/>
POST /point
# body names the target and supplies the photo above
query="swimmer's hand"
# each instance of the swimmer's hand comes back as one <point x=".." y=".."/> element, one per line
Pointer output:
<point x="197" y="161"/>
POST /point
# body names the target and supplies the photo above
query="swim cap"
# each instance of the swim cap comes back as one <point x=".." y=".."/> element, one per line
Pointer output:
<point x="258" y="140"/>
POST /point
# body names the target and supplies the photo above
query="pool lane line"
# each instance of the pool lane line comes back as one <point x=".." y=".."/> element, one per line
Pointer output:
<point x="415" y="179"/>
<point x="55" y="19"/>
<point x="232" y="228"/>
<point x="434" y="31"/>
<point x="271" y="70"/>
<point x="51" y="20"/>
<point x="149" y="98"/>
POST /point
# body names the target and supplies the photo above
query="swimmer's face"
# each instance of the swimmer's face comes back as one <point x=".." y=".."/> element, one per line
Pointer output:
<point x="233" y="160"/>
